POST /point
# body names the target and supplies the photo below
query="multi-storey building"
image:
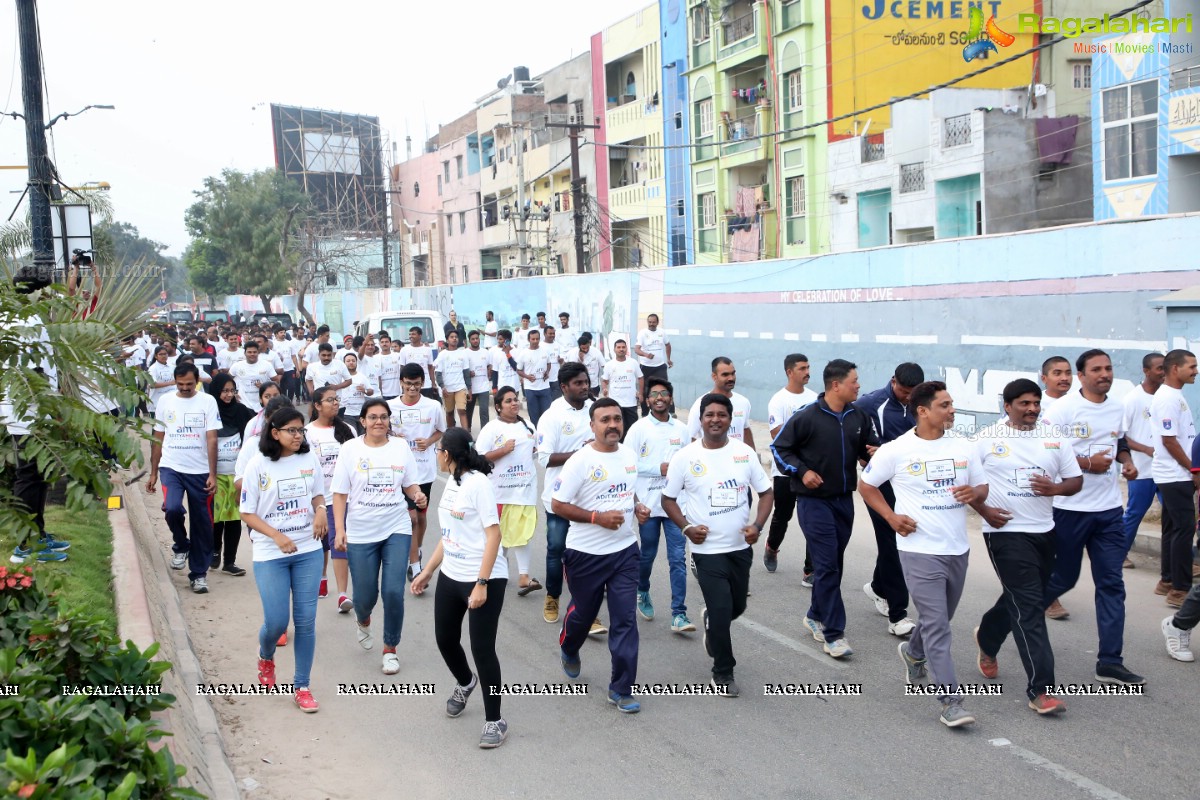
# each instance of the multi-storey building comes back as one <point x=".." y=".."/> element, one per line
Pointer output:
<point x="630" y="214"/>
<point x="754" y="88"/>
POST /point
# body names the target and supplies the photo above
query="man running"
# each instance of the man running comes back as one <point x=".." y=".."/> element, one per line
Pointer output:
<point x="420" y="421"/>
<point x="784" y="403"/>
<point x="622" y="382"/>
<point x="653" y="351"/>
<point x="1171" y="469"/>
<point x="724" y="378"/>
<point x="601" y="553"/>
<point x="713" y="477"/>
<point x="1026" y="466"/>
<point x="1140" y="438"/>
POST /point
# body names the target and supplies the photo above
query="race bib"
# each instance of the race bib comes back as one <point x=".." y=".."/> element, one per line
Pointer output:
<point x="292" y="488"/>
<point x="410" y="417"/>
<point x="941" y="470"/>
<point x="1023" y="474"/>
<point x="193" y="420"/>
<point x="723" y="498"/>
<point x="383" y="476"/>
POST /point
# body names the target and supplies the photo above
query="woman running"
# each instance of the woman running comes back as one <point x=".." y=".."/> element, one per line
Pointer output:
<point x="352" y="397"/>
<point x="227" y="521"/>
<point x="161" y="380"/>
<point x="326" y="434"/>
<point x="473" y="580"/>
<point x="508" y="442"/>
<point x="373" y="475"/>
<point x="283" y="504"/>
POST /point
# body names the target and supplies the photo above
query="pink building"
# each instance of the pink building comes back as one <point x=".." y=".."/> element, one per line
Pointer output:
<point x="435" y="207"/>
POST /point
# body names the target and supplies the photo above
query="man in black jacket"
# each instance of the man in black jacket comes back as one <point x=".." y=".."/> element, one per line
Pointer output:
<point x="819" y="448"/>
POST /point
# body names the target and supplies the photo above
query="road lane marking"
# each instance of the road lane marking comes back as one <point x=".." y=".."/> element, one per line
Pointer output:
<point x="1059" y="771"/>
<point x="792" y="644"/>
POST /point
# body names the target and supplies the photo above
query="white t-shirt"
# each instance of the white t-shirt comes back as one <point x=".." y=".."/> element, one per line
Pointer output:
<point x="507" y="376"/>
<point x="248" y="377"/>
<point x="389" y="374"/>
<point x="374" y="479"/>
<point x="737" y="425"/>
<point x="713" y="488"/>
<point x="1171" y="416"/>
<point x="593" y="362"/>
<point x="463" y="514"/>
<point x="783" y="405"/>
<point x="514" y="478"/>
<point x="1009" y="456"/>
<point x="1091" y="429"/>
<point x="520" y="338"/>
<point x="227" y="358"/>
<point x="555" y="351"/>
<point x="537" y="364"/>
<point x="228" y="450"/>
<point x="490" y="331"/>
<point x="655" y="343"/>
<point x="281" y="493"/>
<point x="419" y="421"/>
<point x="561" y="429"/>
<point x="158" y="374"/>
<point x="922" y="473"/>
<point x="1136" y="404"/>
<point x="217" y="345"/>
<point x="418" y="355"/>
<point x="598" y="481"/>
<point x="137" y="356"/>
<point x="479" y="360"/>
<point x="312" y="353"/>
<point x="326" y="446"/>
<point x="285" y="350"/>
<point x="273" y="358"/>
<point x="369" y="366"/>
<point x="185" y="423"/>
<point x="325" y="374"/>
<point x="622" y="378"/>
<point x="353" y="396"/>
<point x="451" y="363"/>
<point x="655" y="443"/>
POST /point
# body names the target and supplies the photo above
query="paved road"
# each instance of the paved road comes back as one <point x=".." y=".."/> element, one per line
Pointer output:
<point x="882" y="744"/>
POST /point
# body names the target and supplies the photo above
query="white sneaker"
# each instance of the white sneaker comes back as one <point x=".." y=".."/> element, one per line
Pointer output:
<point x="881" y="605"/>
<point x="179" y="560"/>
<point x="1178" y="641"/>
<point x="364" y="636"/>
<point x="839" y="649"/>
<point x="817" y="629"/>
<point x="902" y="628"/>
<point x="391" y="663"/>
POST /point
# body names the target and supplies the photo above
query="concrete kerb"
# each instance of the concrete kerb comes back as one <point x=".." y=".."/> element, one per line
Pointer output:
<point x="154" y="609"/>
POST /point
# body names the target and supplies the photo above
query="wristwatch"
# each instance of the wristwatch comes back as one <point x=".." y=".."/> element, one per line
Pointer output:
<point x="481" y="582"/>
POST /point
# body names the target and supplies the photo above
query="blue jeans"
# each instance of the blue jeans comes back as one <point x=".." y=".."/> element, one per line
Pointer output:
<point x="1100" y="533"/>
<point x="538" y="401"/>
<point x="556" y="543"/>
<point x="677" y="569"/>
<point x="297" y="577"/>
<point x="379" y="568"/>
<point x="199" y="544"/>
<point x="1141" y="497"/>
<point x="826" y="523"/>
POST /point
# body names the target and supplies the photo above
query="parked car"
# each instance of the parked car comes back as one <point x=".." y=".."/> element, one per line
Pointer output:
<point x="180" y="318"/>
<point x="215" y="315"/>
<point x="397" y="323"/>
<point x="273" y="318"/>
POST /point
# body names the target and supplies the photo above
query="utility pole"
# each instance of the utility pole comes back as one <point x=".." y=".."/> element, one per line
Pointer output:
<point x="40" y="170"/>
<point x="573" y="129"/>
<point x="519" y="143"/>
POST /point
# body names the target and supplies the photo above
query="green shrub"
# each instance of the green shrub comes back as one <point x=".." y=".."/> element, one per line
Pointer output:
<point x="60" y="739"/>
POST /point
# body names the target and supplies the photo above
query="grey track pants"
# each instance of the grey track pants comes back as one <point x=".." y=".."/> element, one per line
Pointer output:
<point x="935" y="584"/>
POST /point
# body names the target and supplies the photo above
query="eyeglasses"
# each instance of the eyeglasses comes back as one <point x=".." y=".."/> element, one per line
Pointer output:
<point x="653" y="395"/>
<point x="331" y="401"/>
<point x="412" y="384"/>
<point x="292" y="431"/>
<point x="378" y="418"/>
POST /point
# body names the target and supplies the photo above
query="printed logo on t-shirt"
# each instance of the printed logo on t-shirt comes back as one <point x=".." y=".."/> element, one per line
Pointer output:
<point x="599" y="474"/>
<point x="1166" y="424"/>
<point x="1000" y="450"/>
<point x="557" y="484"/>
<point x="1050" y="445"/>
<point x="698" y="469"/>
<point x="264" y="481"/>
<point x="741" y="459"/>
<point x="498" y="441"/>
<point x="916" y="468"/>
<point x="1081" y="430"/>
<point x="568" y="429"/>
<point x="645" y="451"/>
<point x="676" y="442"/>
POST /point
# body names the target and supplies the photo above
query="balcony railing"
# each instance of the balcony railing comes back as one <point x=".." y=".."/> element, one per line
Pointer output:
<point x="956" y="130"/>
<point x="737" y="29"/>
<point x="1185" y="78"/>
<point x="912" y="178"/>
<point x="739" y="129"/>
<point x="872" y="151"/>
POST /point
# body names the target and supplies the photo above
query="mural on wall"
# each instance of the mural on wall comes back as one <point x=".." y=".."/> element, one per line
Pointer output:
<point x="974" y="314"/>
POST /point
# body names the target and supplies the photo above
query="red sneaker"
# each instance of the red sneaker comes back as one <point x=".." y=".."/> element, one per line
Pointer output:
<point x="266" y="672"/>
<point x="988" y="667"/>
<point x="324" y="590"/>
<point x="282" y="640"/>
<point x="305" y="701"/>
<point x="1045" y="704"/>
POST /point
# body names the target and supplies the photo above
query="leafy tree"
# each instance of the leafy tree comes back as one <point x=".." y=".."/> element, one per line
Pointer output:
<point x="241" y="224"/>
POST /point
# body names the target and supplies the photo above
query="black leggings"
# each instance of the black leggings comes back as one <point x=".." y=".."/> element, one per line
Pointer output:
<point x="449" y="606"/>
<point x="227" y="534"/>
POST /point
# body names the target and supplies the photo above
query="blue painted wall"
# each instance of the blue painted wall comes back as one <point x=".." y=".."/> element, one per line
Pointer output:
<point x="674" y="55"/>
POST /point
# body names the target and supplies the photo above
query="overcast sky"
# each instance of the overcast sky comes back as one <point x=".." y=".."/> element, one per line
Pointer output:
<point x="192" y="82"/>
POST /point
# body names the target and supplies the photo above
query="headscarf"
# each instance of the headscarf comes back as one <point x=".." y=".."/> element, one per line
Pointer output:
<point x="235" y="415"/>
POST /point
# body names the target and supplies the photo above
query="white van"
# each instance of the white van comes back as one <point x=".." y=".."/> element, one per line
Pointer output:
<point x="397" y="324"/>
